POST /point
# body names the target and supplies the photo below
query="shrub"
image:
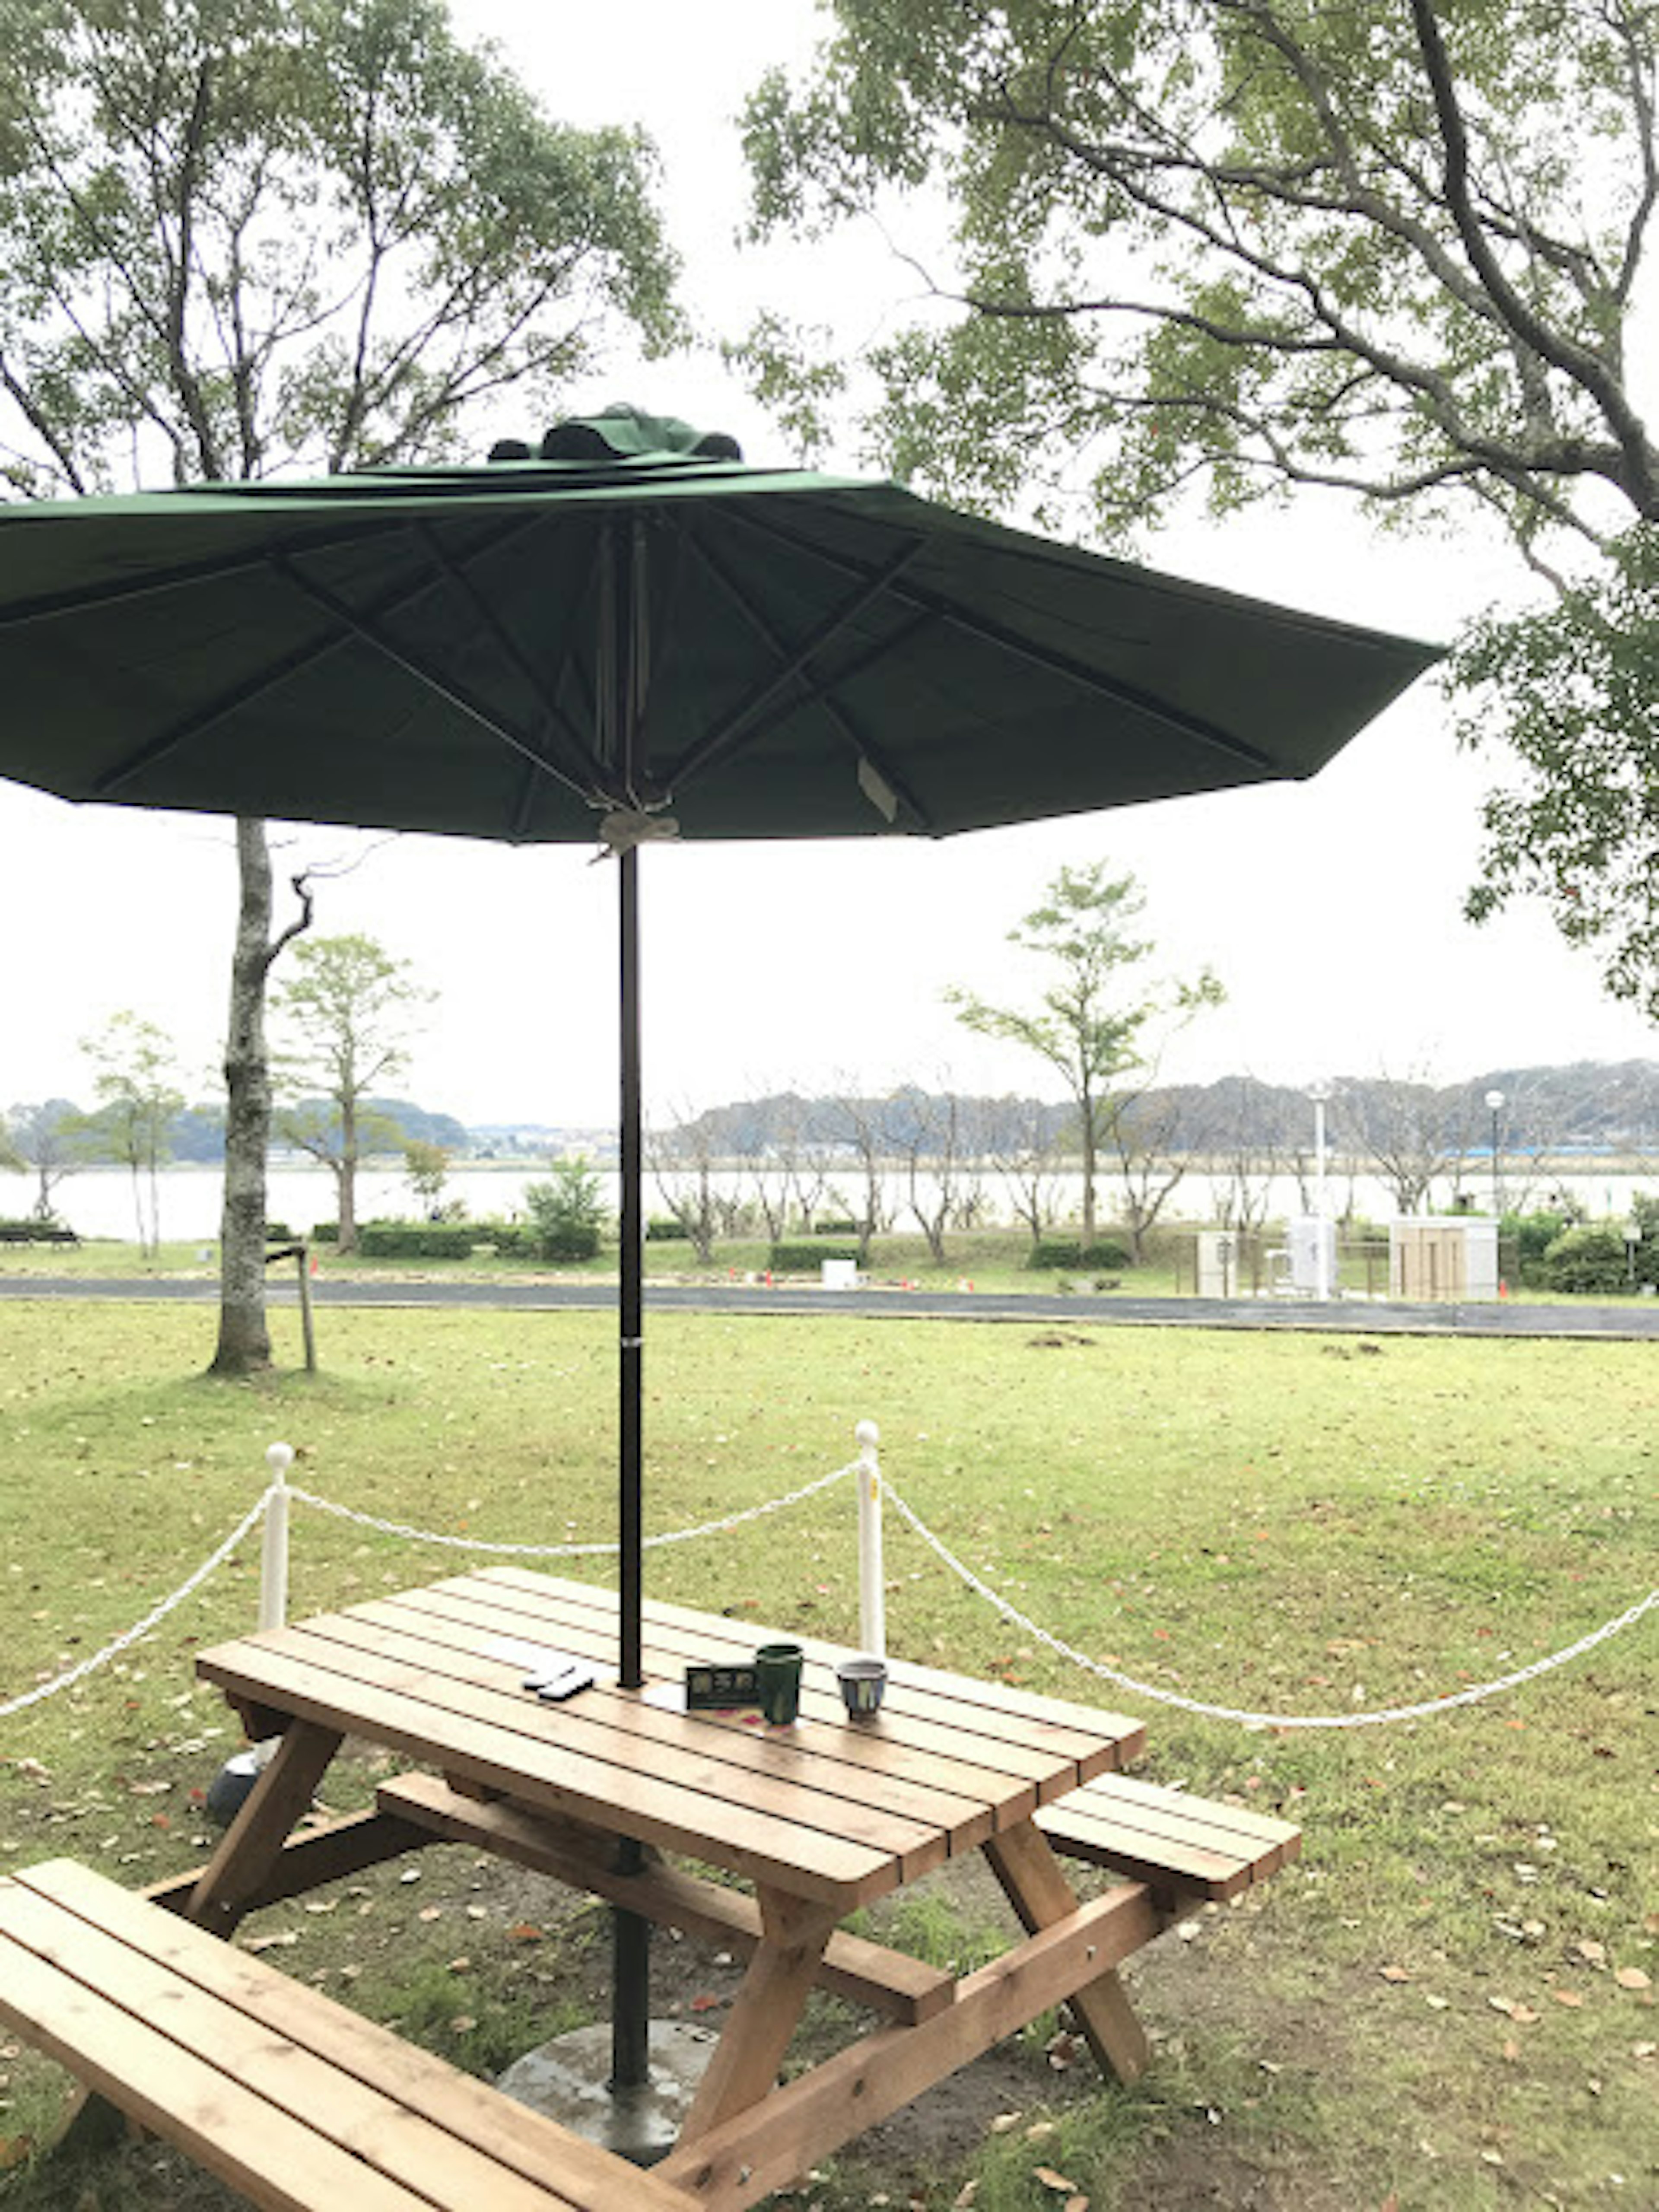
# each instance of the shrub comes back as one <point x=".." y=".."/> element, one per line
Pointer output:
<point x="326" y="1232"/>
<point x="835" y="1229"/>
<point x="665" y="1230"/>
<point x="786" y="1259"/>
<point x="1591" y="1258"/>
<point x="416" y="1240"/>
<point x="278" y="1232"/>
<point x="567" y="1215"/>
<point x="1055" y="1251"/>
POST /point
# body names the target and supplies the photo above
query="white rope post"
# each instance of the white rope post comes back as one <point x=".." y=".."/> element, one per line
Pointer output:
<point x="273" y="1558"/>
<point x="872" y="1599"/>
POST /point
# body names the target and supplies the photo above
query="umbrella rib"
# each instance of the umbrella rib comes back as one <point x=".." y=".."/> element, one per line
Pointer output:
<point x="587" y="763"/>
<point x="1121" y="693"/>
<point x="726" y="735"/>
<point x="817" y="689"/>
<point x="53" y="605"/>
<point x="431" y="679"/>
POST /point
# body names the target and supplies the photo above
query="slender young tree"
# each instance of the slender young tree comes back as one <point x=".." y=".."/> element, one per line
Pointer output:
<point x="346" y="1013"/>
<point x="136" y="1083"/>
<point x="236" y="240"/>
<point x="1087" y="1023"/>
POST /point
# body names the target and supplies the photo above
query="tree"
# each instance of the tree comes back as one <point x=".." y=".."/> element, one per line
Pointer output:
<point x="1390" y="250"/>
<point x="1411" y="1134"/>
<point x="48" y="1142"/>
<point x="347" y="1013"/>
<point x="426" y="1171"/>
<point x="136" y="1083"/>
<point x="236" y="240"/>
<point x="1082" y="1025"/>
<point x="567" y="1212"/>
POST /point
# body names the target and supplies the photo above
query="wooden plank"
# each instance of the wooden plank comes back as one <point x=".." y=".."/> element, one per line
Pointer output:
<point x="764" y="2013"/>
<point x="1259" y="1833"/>
<point x="543" y="1771"/>
<point x="390" y="2139"/>
<point x="1034" y="1771"/>
<point x="1170" y="1838"/>
<point x="763" y="2150"/>
<point x="1163" y="1863"/>
<point x="805" y="1757"/>
<point x="344" y="1845"/>
<point x="368" y="2061"/>
<point x="276" y="2163"/>
<point x="254" y="1837"/>
<point x="1035" y="1884"/>
<point x="463" y="1624"/>
<point x="866" y="1973"/>
<point x="1097" y="1740"/>
<point x="774" y="1775"/>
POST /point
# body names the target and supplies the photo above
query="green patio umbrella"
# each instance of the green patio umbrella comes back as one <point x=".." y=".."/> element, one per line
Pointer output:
<point x="631" y="634"/>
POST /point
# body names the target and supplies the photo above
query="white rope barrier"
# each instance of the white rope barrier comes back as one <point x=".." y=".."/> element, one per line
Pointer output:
<point x="571" y="1551"/>
<point x="1469" y="1697"/>
<point x="159" y="1613"/>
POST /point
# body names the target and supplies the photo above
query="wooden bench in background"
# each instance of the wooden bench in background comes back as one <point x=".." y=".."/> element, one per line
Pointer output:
<point x="1184" y="1849"/>
<point x="300" y="2104"/>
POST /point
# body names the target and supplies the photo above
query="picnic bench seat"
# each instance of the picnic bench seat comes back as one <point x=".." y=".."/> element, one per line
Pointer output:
<point x="298" y="2103"/>
<point x="1183" y="1848"/>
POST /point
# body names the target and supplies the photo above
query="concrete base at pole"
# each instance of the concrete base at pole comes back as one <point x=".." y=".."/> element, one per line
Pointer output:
<point x="569" y="2081"/>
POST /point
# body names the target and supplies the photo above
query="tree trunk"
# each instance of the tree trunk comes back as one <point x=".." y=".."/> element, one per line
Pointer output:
<point x="244" y="1338"/>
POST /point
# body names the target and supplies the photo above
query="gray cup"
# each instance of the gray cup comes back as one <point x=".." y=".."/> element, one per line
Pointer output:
<point x="863" y="1683"/>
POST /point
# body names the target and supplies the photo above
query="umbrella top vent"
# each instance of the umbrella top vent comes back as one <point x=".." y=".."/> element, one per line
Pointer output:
<point x="618" y="432"/>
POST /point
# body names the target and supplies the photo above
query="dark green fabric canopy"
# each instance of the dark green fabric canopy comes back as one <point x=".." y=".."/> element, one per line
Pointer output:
<point x="816" y="656"/>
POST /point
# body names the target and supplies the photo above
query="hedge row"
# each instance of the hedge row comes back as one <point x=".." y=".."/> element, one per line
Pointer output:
<point x="1056" y="1252"/>
<point x="807" y="1259"/>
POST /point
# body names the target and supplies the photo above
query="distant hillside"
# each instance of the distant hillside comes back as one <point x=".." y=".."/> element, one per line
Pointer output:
<point x="1585" y="1107"/>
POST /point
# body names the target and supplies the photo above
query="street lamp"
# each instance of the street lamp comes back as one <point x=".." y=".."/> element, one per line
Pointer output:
<point x="1495" y="1107"/>
<point x="1319" y="1097"/>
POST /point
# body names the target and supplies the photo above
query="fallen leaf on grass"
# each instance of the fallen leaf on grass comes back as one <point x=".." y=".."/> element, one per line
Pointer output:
<point x="1568" y="1997"/>
<point x="272" y="1942"/>
<point x="525" y="1932"/>
<point x="705" y="2004"/>
<point x="1006" y="2123"/>
<point x="463" y="2024"/>
<point x="1632" y="1977"/>
<point x="1588" y="1948"/>
<point x="1057" y="2182"/>
<point x="14" y="2150"/>
<point x="1394" y="1973"/>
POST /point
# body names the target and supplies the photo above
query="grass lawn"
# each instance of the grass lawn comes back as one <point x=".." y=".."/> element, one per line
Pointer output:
<point x="1448" y="2004"/>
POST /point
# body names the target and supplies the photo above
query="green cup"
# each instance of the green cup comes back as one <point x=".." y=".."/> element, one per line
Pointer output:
<point x="777" y="1668"/>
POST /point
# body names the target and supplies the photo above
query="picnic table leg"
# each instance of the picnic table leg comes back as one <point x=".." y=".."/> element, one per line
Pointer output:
<point x="1036" y="1885"/>
<point x="255" y="1838"/>
<point x="765" y="2012"/>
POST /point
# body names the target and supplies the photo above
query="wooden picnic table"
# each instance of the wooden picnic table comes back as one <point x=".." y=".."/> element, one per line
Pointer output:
<point x="820" y="1817"/>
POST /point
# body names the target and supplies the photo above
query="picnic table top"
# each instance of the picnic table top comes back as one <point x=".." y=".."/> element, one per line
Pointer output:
<point x="829" y="1808"/>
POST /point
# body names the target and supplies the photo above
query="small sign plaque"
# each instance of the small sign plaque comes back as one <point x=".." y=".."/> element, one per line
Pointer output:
<point x="712" y="1686"/>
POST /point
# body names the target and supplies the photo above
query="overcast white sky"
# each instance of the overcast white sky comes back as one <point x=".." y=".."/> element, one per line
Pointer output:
<point x="1331" y="910"/>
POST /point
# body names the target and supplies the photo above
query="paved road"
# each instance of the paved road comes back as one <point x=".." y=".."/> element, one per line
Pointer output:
<point x="1349" y="1316"/>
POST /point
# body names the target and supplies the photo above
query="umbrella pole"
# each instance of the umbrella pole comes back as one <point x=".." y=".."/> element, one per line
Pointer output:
<point x="630" y="2020"/>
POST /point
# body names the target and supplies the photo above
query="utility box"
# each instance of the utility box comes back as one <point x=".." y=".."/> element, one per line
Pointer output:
<point x="1438" y="1261"/>
<point x="1310" y="1248"/>
<point x="1218" y="1263"/>
<point x="840" y="1274"/>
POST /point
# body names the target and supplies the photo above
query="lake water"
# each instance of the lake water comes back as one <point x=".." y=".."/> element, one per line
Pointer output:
<point x="97" y="1202"/>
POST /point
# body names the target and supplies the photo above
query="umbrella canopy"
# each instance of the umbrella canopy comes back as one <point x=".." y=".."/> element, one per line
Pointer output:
<point x="632" y="634"/>
<point x="438" y="649"/>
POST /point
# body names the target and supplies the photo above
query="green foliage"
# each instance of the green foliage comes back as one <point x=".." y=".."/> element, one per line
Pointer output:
<point x="666" y="1230"/>
<point x="1574" y="690"/>
<point x="1594" y="1256"/>
<point x="1391" y="251"/>
<point x="787" y="1258"/>
<point x="566" y="1213"/>
<point x="418" y="1240"/>
<point x="1084" y="1024"/>
<point x="1051" y="1252"/>
<point x="382" y="227"/>
<point x="1174" y="226"/>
